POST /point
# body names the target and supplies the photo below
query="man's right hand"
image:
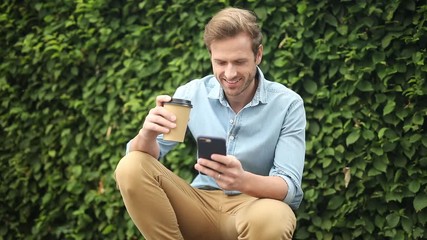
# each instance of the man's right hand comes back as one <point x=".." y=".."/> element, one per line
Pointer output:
<point x="158" y="121"/>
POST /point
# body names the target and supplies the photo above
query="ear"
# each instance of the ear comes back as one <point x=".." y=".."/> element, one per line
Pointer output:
<point x="258" y="56"/>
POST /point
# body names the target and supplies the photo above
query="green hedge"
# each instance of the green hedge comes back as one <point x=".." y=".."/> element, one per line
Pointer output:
<point x="78" y="77"/>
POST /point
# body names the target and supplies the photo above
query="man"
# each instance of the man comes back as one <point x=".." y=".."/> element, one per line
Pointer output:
<point x="250" y="193"/>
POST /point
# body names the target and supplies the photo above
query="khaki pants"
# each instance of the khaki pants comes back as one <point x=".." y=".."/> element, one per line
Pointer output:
<point x="163" y="206"/>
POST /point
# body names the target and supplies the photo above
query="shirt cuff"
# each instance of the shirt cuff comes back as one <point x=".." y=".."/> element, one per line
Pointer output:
<point x="128" y="147"/>
<point x="290" y="196"/>
<point x="291" y="190"/>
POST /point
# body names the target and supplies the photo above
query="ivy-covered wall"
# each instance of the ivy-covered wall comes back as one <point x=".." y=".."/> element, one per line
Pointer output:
<point x="77" y="78"/>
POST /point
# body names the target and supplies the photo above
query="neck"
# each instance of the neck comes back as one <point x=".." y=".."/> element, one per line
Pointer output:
<point x="239" y="102"/>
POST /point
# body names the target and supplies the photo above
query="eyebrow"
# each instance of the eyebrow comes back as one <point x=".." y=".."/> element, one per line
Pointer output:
<point x="236" y="60"/>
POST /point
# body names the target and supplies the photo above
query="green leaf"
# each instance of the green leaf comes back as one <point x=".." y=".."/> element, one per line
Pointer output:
<point x="414" y="186"/>
<point x="380" y="163"/>
<point x="77" y="170"/>
<point x="402" y="114"/>
<point x="379" y="221"/>
<point x="407" y="224"/>
<point x="329" y="191"/>
<point x="422" y="217"/>
<point x="415" y="138"/>
<point x="392" y="220"/>
<point x="335" y="202"/>
<point x="368" y="134"/>
<point x="310" y="86"/>
<point x="418" y="119"/>
<point x="331" y="20"/>
<point x="385" y="42"/>
<point x="110" y="228"/>
<point x="46" y="198"/>
<point x="381" y="132"/>
<point x="52" y="153"/>
<point x="352" y="137"/>
<point x="373" y="172"/>
<point x="424" y="141"/>
<point x="261" y="13"/>
<point x="389" y="107"/>
<point x="365" y="86"/>
<point x="342" y="29"/>
<point x="378" y="151"/>
<point x="420" y="202"/>
<point x="388" y="147"/>
<point x="327" y="225"/>
<point x="378" y="57"/>
<point x="301" y="7"/>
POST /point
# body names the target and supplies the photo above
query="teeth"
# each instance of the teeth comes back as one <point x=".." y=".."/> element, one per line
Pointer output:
<point x="232" y="81"/>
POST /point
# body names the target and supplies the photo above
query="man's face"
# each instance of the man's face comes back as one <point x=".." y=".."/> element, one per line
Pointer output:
<point x="234" y="65"/>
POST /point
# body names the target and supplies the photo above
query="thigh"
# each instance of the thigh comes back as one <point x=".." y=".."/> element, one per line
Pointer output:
<point x="265" y="219"/>
<point x="162" y="194"/>
<point x="195" y="209"/>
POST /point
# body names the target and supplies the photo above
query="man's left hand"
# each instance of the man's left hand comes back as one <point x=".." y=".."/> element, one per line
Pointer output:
<point x="226" y="170"/>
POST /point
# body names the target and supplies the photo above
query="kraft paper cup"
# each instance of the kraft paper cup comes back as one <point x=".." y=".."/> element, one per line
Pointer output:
<point x="181" y="108"/>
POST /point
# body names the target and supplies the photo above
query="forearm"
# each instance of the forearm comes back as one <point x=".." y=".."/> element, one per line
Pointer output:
<point x="145" y="144"/>
<point x="273" y="187"/>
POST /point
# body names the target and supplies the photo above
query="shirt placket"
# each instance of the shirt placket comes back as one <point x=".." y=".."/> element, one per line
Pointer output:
<point x="232" y="132"/>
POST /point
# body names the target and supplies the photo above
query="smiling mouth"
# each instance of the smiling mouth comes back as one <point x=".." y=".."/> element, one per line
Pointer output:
<point x="232" y="82"/>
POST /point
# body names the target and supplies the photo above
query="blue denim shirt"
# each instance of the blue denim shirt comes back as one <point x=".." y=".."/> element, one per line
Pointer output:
<point x="267" y="135"/>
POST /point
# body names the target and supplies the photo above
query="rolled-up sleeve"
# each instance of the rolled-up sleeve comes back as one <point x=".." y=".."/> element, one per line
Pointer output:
<point x="290" y="153"/>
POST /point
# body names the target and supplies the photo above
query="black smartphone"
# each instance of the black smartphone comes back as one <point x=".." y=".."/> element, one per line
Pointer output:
<point x="206" y="146"/>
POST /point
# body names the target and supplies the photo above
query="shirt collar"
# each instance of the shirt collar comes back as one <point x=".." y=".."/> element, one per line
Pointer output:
<point x="260" y="96"/>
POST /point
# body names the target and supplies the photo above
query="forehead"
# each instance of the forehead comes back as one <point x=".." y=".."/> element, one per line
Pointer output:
<point x="236" y="47"/>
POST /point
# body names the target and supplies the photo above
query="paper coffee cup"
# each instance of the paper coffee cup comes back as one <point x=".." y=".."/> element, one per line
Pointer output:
<point x="181" y="108"/>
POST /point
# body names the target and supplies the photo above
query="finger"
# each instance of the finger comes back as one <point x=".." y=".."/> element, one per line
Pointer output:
<point x="162" y="99"/>
<point x="153" y="127"/>
<point x="204" y="170"/>
<point x="161" y="111"/>
<point x="158" y="123"/>
<point x="225" y="160"/>
<point x="207" y="167"/>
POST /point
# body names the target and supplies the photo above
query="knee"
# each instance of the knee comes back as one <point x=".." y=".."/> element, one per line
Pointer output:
<point x="268" y="219"/>
<point x="129" y="168"/>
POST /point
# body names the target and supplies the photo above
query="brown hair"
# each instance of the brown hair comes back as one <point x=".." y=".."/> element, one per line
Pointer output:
<point x="230" y="22"/>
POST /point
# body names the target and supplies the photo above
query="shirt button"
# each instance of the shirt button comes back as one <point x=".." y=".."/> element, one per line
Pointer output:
<point x="231" y="137"/>
<point x="231" y="121"/>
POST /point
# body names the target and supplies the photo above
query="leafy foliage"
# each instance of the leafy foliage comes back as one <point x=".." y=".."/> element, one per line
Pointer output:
<point x="78" y="77"/>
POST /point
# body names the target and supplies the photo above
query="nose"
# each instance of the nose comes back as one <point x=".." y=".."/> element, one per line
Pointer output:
<point x="230" y="71"/>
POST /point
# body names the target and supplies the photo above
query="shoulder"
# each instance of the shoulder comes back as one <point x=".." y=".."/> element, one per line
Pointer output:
<point x="207" y="82"/>
<point x="272" y="91"/>
<point x="276" y="90"/>
<point x="200" y="85"/>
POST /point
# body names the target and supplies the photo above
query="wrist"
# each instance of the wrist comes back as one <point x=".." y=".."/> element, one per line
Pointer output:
<point x="142" y="140"/>
<point x="246" y="182"/>
<point x="145" y="135"/>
